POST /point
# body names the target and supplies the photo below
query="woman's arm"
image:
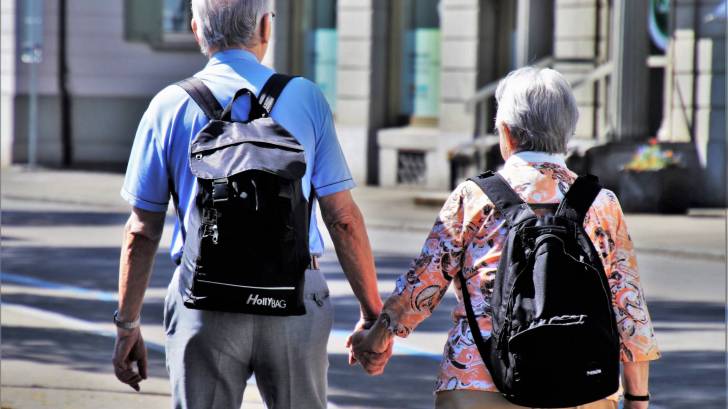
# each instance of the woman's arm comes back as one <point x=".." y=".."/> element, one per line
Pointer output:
<point x="419" y="291"/>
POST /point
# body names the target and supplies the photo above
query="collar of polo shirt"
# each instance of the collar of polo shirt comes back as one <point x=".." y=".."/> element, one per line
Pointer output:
<point x="231" y="55"/>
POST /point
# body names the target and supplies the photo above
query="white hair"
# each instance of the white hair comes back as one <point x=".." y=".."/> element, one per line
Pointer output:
<point x="538" y="107"/>
<point x="225" y="24"/>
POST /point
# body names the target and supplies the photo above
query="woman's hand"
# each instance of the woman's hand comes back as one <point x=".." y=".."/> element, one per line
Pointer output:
<point x="363" y="324"/>
<point x="372" y="351"/>
<point x="371" y="347"/>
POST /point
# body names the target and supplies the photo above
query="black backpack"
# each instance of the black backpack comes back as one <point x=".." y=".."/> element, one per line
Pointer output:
<point x="247" y="244"/>
<point x="554" y="340"/>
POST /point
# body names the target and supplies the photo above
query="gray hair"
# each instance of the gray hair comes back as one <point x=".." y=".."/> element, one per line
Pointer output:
<point x="227" y="23"/>
<point x="539" y="108"/>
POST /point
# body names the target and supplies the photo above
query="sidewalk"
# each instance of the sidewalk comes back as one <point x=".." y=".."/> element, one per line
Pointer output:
<point x="56" y="353"/>
<point x="383" y="208"/>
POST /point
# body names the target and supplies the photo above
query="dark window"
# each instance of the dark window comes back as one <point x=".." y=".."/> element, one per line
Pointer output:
<point x="163" y="24"/>
<point x="176" y="17"/>
<point x="314" y="44"/>
<point x="411" y="167"/>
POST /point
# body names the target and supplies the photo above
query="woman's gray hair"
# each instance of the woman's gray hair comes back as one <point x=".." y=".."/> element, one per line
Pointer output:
<point x="538" y="106"/>
<point x="223" y="24"/>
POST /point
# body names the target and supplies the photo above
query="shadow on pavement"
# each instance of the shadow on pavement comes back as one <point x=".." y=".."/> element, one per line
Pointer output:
<point x="407" y="383"/>
<point x="22" y="218"/>
<point x="686" y="311"/>
<point x="346" y="314"/>
<point x="689" y="379"/>
<point x="388" y="266"/>
<point x="96" y="311"/>
<point x="41" y="218"/>
<point x="94" y="268"/>
<point x="81" y="351"/>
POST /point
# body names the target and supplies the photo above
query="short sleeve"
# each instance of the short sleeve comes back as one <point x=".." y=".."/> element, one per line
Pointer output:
<point x="146" y="181"/>
<point x="330" y="171"/>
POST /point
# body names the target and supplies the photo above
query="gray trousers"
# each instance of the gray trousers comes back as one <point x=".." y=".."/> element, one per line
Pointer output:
<point x="211" y="355"/>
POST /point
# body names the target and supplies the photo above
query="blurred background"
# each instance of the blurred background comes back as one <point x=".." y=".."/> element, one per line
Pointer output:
<point x="411" y="84"/>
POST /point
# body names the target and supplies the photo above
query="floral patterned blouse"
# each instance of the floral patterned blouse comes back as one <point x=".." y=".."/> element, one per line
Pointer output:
<point x="469" y="234"/>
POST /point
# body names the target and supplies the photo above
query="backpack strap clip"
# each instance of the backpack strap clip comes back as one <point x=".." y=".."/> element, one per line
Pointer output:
<point x="202" y="96"/>
<point x="579" y="198"/>
<point x="505" y="199"/>
<point x="220" y="191"/>
<point x="272" y="90"/>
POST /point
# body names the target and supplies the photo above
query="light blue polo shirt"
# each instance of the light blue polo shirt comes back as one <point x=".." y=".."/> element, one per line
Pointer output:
<point x="161" y="145"/>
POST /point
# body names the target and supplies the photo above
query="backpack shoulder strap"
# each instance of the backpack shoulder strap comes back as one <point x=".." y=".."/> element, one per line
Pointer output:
<point x="505" y="199"/>
<point x="472" y="320"/>
<point x="272" y="90"/>
<point x="202" y="96"/>
<point x="579" y="198"/>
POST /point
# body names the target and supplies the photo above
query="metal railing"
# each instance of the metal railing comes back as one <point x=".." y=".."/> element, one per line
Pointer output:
<point x="484" y="104"/>
<point x="478" y="154"/>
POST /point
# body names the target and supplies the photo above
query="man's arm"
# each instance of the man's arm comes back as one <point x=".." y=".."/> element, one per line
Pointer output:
<point x="142" y="233"/>
<point x="636" y="375"/>
<point x="346" y="226"/>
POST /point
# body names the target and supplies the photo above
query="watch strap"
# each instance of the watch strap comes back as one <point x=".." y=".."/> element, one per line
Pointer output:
<point x="637" y="398"/>
<point x="125" y="324"/>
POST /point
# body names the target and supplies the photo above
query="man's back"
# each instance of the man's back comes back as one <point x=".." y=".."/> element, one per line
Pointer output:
<point x="160" y="152"/>
<point x="211" y="354"/>
<point x="159" y="162"/>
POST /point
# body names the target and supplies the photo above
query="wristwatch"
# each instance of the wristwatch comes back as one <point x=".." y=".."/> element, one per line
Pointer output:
<point x="637" y="398"/>
<point x="125" y="324"/>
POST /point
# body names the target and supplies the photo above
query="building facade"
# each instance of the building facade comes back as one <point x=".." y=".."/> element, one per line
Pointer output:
<point x="411" y="82"/>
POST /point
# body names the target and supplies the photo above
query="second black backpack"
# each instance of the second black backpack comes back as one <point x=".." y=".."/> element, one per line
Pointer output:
<point x="554" y="340"/>
<point x="246" y="248"/>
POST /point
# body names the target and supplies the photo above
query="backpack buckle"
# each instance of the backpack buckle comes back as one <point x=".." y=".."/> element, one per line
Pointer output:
<point x="220" y="191"/>
<point x="209" y="215"/>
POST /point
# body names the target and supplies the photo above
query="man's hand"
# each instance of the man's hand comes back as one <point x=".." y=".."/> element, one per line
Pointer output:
<point x="129" y="348"/>
<point x="141" y="239"/>
<point x="371" y="350"/>
<point x="364" y="323"/>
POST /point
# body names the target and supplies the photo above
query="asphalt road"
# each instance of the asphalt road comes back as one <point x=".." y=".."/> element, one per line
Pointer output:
<point x="59" y="265"/>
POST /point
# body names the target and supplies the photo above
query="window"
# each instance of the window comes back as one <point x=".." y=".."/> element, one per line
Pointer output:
<point x="163" y="24"/>
<point x="411" y="167"/>
<point x="176" y="17"/>
<point x="415" y="56"/>
<point x="314" y="44"/>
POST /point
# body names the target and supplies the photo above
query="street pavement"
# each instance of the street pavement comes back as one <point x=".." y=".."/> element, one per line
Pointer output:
<point x="61" y="232"/>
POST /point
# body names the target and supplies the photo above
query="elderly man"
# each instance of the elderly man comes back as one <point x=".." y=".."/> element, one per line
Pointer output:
<point x="536" y="116"/>
<point x="211" y="354"/>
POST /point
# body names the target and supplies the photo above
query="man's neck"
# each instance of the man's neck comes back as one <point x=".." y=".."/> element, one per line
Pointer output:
<point x="254" y="50"/>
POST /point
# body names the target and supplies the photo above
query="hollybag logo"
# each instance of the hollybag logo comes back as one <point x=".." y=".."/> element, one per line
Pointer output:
<point x="256" y="299"/>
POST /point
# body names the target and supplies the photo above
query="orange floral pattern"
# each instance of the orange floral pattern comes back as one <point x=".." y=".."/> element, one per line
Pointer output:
<point x="469" y="234"/>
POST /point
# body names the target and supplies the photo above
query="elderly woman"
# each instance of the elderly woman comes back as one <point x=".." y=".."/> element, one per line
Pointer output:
<point x="536" y="116"/>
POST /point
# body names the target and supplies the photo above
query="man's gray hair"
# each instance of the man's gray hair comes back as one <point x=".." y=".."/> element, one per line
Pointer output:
<point x="538" y="106"/>
<point x="223" y="24"/>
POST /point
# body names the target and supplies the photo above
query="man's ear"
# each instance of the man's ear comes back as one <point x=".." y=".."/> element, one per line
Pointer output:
<point x="266" y="28"/>
<point x="193" y="25"/>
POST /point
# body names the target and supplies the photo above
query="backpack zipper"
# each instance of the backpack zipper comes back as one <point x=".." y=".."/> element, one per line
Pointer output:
<point x="601" y="285"/>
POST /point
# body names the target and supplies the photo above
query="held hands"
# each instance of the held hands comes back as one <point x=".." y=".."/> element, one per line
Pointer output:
<point x="129" y="348"/>
<point x="371" y="346"/>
